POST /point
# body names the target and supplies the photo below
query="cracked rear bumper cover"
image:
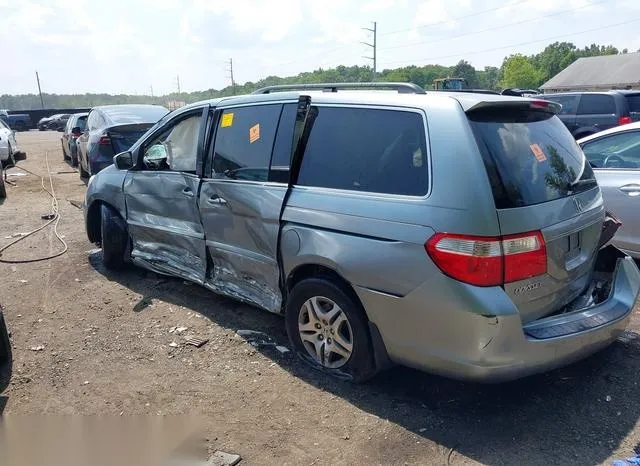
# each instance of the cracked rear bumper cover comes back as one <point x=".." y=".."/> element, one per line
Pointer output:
<point x="468" y="340"/>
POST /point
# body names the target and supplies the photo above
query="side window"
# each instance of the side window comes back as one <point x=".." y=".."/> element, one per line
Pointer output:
<point x="569" y="103"/>
<point x="618" y="151"/>
<point x="176" y="148"/>
<point x="244" y="141"/>
<point x="81" y="123"/>
<point x="92" y="120"/>
<point x="596" y="104"/>
<point x="382" y="151"/>
<point x="289" y="132"/>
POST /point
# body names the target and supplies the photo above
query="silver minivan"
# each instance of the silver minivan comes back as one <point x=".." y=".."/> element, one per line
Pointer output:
<point x="455" y="233"/>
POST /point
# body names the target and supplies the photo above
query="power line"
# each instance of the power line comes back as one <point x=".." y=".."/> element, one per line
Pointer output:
<point x="445" y="21"/>
<point x="504" y="26"/>
<point x="464" y="54"/>
<point x="373" y="46"/>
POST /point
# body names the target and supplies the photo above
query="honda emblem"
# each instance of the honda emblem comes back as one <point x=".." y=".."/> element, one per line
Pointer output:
<point x="578" y="204"/>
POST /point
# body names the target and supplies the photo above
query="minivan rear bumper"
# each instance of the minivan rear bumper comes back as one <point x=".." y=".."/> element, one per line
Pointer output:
<point x="480" y="335"/>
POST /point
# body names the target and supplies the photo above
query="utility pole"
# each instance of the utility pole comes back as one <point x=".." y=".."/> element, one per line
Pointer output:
<point x="178" y="83"/>
<point x="230" y="70"/>
<point x="151" y="88"/>
<point x="373" y="46"/>
<point x="39" y="90"/>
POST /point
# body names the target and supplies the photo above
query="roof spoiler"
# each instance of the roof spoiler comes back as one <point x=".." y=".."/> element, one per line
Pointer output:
<point x="539" y="105"/>
<point x="402" y="88"/>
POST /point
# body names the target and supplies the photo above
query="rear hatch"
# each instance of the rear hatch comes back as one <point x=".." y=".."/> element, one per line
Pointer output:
<point x="545" y="191"/>
<point x="124" y="136"/>
<point x="633" y="102"/>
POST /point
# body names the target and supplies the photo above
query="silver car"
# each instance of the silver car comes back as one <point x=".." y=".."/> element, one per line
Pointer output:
<point x="456" y="233"/>
<point x="615" y="157"/>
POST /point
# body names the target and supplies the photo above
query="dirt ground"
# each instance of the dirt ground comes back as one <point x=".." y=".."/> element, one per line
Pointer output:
<point x="87" y="341"/>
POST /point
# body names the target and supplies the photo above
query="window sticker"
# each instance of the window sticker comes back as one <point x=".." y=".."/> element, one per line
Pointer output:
<point x="538" y="152"/>
<point x="254" y="133"/>
<point x="227" y="120"/>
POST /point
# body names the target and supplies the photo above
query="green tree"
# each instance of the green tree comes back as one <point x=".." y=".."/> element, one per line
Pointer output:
<point x="464" y="70"/>
<point x="519" y="71"/>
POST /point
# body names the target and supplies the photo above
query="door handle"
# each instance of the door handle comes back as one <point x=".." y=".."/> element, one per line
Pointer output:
<point x="187" y="192"/>
<point x="215" y="199"/>
<point x="630" y="189"/>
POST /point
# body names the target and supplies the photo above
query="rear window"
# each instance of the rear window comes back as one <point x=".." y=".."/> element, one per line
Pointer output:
<point x="369" y="150"/>
<point x="596" y="104"/>
<point x="530" y="157"/>
<point x="634" y="102"/>
<point x="82" y="122"/>
<point x="136" y="114"/>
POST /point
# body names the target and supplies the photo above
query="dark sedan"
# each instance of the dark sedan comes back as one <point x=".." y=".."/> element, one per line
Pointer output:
<point x="112" y="129"/>
<point x="55" y="122"/>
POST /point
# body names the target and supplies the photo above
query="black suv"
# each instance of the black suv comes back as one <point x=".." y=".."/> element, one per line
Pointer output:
<point x="586" y="113"/>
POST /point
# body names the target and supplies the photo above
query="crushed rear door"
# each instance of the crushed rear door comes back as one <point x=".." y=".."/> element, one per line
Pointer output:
<point x="541" y="182"/>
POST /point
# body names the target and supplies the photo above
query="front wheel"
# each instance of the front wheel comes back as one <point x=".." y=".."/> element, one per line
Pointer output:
<point x="114" y="238"/>
<point x="329" y="330"/>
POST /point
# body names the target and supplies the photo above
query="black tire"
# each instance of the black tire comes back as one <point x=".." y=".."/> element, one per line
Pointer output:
<point x="114" y="238"/>
<point x="83" y="172"/>
<point x="64" y="153"/>
<point x="74" y="158"/>
<point x="359" y="366"/>
<point x="3" y="187"/>
<point x="5" y="345"/>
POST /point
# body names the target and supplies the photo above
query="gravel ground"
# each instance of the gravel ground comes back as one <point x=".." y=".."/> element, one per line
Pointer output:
<point x="87" y="341"/>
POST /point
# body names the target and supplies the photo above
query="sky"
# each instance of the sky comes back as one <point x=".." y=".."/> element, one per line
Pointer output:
<point x="134" y="46"/>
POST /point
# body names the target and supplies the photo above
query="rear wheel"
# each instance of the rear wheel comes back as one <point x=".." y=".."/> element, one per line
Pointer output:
<point x="114" y="238"/>
<point x="64" y="153"/>
<point x="329" y="330"/>
<point x="11" y="159"/>
<point x="83" y="172"/>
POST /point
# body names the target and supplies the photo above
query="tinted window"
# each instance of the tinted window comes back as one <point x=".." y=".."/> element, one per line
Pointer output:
<point x="176" y="148"/>
<point x="530" y="157"/>
<point x="289" y="132"/>
<point x="634" y="102"/>
<point x="569" y="103"/>
<point x="617" y="151"/>
<point x="367" y="150"/>
<point x="81" y="122"/>
<point x="594" y="104"/>
<point x="244" y="140"/>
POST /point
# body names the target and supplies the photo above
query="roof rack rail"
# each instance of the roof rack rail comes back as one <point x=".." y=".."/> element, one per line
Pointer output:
<point x="402" y="88"/>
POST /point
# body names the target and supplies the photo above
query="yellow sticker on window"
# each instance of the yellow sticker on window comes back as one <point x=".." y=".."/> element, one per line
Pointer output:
<point x="254" y="133"/>
<point x="538" y="152"/>
<point x="227" y="120"/>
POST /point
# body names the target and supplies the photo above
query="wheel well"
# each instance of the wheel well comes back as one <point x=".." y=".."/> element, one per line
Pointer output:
<point x="94" y="217"/>
<point x="320" y="271"/>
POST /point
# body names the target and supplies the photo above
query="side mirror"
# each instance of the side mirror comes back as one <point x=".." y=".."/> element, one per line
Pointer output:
<point x="123" y="161"/>
<point x="76" y="131"/>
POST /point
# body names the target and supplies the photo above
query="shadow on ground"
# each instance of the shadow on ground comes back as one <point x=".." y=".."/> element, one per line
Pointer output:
<point x="576" y="415"/>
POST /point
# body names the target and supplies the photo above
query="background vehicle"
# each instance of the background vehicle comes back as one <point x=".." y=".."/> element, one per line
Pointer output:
<point x="586" y="113"/>
<point x="8" y="144"/>
<point x="448" y="84"/>
<point x="370" y="260"/>
<point x="55" y="122"/>
<point x="19" y="121"/>
<point x="76" y="124"/>
<point x="112" y="129"/>
<point x="615" y="157"/>
<point x="520" y="92"/>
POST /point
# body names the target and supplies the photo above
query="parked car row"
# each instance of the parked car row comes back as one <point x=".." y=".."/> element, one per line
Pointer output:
<point x="344" y="212"/>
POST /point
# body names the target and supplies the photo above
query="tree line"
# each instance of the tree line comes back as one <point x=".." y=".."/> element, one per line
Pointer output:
<point x="517" y="70"/>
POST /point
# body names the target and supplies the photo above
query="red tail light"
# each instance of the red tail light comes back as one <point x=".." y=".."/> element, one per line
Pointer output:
<point x="625" y="120"/>
<point x="104" y="140"/>
<point x="489" y="261"/>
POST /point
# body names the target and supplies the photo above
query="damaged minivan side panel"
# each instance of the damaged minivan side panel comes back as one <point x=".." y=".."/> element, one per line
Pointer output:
<point x="162" y="200"/>
<point x="240" y="207"/>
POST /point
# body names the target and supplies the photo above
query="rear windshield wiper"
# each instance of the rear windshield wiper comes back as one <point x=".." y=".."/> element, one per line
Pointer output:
<point x="577" y="184"/>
